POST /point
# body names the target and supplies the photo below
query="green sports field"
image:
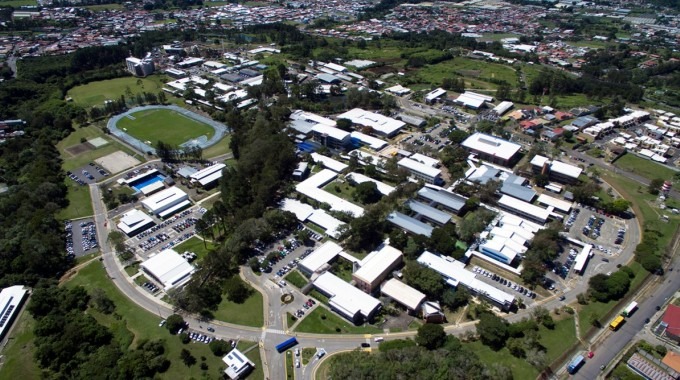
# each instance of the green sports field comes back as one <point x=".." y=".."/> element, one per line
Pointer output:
<point x="166" y="125"/>
<point x="95" y="93"/>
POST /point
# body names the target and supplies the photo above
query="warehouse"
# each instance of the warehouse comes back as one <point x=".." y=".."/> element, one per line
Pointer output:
<point x="347" y="300"/>
<point x="11" y="299"/>
<point x="409" y="224"/>
<point x="455" y="274"/>
<point x="493" y="149"/>
<point x="167" y="202"/>
<point x="421" y="171"/>
<point x="168" y="268"/>
<point x="403" y="294"/>
<point x="134" y="222"/>
<point x="502" y="108"/>
<point x="381" y="125"/>
<point x="375" y="267"/>
<point x="208" y="177"/>
<point x="433" y="95"/>
<point x="472" y="100"/>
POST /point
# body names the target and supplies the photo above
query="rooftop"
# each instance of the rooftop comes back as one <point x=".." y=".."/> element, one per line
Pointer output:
<point x="492" y="146"/>
<point x="164" y="198"/>
<point x="345" y="297"/>
<point x="419" y="167"/>
<point x="525" y="208"/>
<point x="169" y="268"/>
<point x="378" y="263"/>
<point x="443" y="197"/>
<point x="134" y="220"/>
<point x="321" y="256"/>
<point x="402" y="293"/>
<point x="410" y="224"/>
<point x="429" y="212"/>
<point x="380" y="123"/>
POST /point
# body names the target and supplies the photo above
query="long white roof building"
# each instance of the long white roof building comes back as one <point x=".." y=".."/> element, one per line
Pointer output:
<point x="166" y="202"/>
<point x="208" y="175"/>
<point x="169" y="268"/>
<point x="381" y="124"/>
<point x="344" y="298"/>
<point x="311" y="187"/>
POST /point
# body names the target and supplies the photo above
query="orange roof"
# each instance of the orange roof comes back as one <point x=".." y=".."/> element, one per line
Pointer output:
<point x="672" y="360"/>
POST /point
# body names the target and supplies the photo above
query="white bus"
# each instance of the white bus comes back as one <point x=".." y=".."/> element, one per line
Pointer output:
<point x="628" y="311"/>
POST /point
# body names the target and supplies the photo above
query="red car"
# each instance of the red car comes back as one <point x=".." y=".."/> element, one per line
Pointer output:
<point x="591" y="354"/>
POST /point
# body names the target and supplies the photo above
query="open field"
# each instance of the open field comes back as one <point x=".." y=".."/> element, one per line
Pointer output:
<point x="646" y="168"/>
<point x="197" y="246"/>
<point x="519" y="367"/>
<point x="89" y="132"/>
<point x="249" y="313"/>
<point x="137" y="324"/>
<point x="95" y="93"/>
<point x="163" y="124"/>
<point x="18" y="353"/>
<point x="314" y="322"/>
<point x="472" y="70"/>
<point x="80" y="203"/>
<point x="104" y="7"/>
<point x="222" y="147"/>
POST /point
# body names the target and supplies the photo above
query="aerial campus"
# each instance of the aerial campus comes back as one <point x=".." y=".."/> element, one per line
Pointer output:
<point x="355" y="189"/>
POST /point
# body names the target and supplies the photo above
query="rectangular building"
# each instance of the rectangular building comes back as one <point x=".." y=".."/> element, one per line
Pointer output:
<point x="403" y="294"/>
<point x="238" y="365"/>
<point x="556" y="170"/>
<point x="409" y="224"/>
<point x="331" y="137"/>
<point x="134" y="222"/>
<point x="440" y="196"/>
<point x="11" y="300"/>
<point x="317" y="261"/>
<point x="382" y="187"/>
<point x="140" y="67"/>
<point x="455" y="274"/>
<point x="311" y="187"/>
<point x="381" y="125"/>
<point x="169" y="269"/>
<point x="209" y="176"/>
<point x="376" y="267"/>
<point x="166" y="202"/>
<point x="493" y="149"/>
<point x="524" y="209"/>
<point x="428" y="212"/>
<point x="369" y="141"/>
<point x="421" y="171"/>
<point x="347" y="300"/>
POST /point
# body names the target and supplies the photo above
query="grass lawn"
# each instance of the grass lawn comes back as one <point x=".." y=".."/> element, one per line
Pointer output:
<point x="197" y="246"/>
<point x="248" y="313"/>
<point x="296" y="279"/>
<point x="82" y="259"/>
<point x="343" y="190"/>
<point x="80" y="202"/>
<point x="290" y="365"/>
<point x="575" y="100"/>
<point x="555" y="341"/>
<point x="137" y="324"/>
<point x="170" y="126"/>
<point x="220" y="148"/>
<point x="314" y="323"/>
<point x="254" y="356"/>
<point x="17" y="3"/>
<point x="520" y="368"/>
<point x="307" y="354"/>
<point x="18" y="353"/>
<point x="289" y="319"/>
<point x="646" y="168"/>
<point x="95" y="93"/>
<point x="89" y="132"/>
<point x="318" y="296"/>
<point x="132" y="269"/>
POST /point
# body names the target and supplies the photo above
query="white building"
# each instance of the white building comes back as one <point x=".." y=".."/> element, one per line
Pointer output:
<point x="375" y="267"/>
<point x="525" y="210"/>
<point x="329" y="163"/>
<point x="238" y="365"/>
<point x="347" y="300"/>
<point x="11" y="299"/>
<point x="503" y="107"/>
<point x="167" y="202"/>
<point x="208" y="176"/>
<point x="455" y="274"/>
<point x="435" y="94"/>
<point x="403" y="294"/>
<point x="382" y="187"/>
<point x="140" y="67"/>
<point x="493" y="149"/>
<point x="370" y="141"/>
<point x="381" y="125"/>
<point x="318" y="260"/>
<point x="422" y="171"/>
<point x="473" y="100"/>
<point x="311" y="187"/>
<point x="134" y="222"/>
<point x="168" y="268"/>
<point x="306" y="213"/>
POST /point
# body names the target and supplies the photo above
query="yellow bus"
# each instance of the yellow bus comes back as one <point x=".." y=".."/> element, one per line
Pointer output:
<point x="616" y="323"/>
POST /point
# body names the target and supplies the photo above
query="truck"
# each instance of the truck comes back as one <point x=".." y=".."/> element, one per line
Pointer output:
<point x="616" y="323"/>
<point x="283" y="346"/>
<point x="630" y="309"/>
<point x="575" y="364"/>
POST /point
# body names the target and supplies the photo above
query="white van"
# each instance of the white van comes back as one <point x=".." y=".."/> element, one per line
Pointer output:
<point x="379" y="339"/>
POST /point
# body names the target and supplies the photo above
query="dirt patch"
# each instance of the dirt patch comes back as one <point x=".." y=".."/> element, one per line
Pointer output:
<point x="117" y="161"/>
<point x="382" y="70"/>
<point x="79" y="149"/>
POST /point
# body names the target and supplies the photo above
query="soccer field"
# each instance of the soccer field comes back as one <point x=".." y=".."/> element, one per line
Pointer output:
<point x="95" y="93"/>
<point x="166" y="125"/>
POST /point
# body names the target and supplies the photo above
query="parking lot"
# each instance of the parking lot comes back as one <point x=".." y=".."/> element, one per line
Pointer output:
<point x="87" y="174"/>
<point x="166" y="234"/>
<point x="81" y="237"/>
<point x="609" y="233"/>
<point x="504" y="284"/>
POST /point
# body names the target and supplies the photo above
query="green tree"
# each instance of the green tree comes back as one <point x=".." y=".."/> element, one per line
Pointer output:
<point x="237" y="290"/>
<point x="344" y="124"/>
<point x="424" y="279"/>
<point x="367" y="192"/>
<point x="219" y="347"/>
<point x="655" y="186"/>
<point x="188" y="359"/>
<point x="431" y="336"/>
<point x="174" y="322"/>
<point x="492" y="330"/>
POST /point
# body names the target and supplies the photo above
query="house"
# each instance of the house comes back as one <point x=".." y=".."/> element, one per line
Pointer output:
<point x="432" y="312"/>
<point x="670" y="323"/>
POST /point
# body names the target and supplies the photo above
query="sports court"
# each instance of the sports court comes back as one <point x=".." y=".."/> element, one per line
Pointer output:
<point x="117" y="161"/>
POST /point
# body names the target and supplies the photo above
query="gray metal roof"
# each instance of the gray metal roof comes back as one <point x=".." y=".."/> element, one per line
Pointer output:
<point x="328" y="78"/>
<point x="429" y="212"/>
<point x="520" y="192"/>
<point x="409" y="224"/>
<point x="452" y="201"/>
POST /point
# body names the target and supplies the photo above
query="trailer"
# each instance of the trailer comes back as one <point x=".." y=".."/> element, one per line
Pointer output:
<point x="575" y="364"/>
<point x="283" y="346"/>
<point x="630" y="309"/>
